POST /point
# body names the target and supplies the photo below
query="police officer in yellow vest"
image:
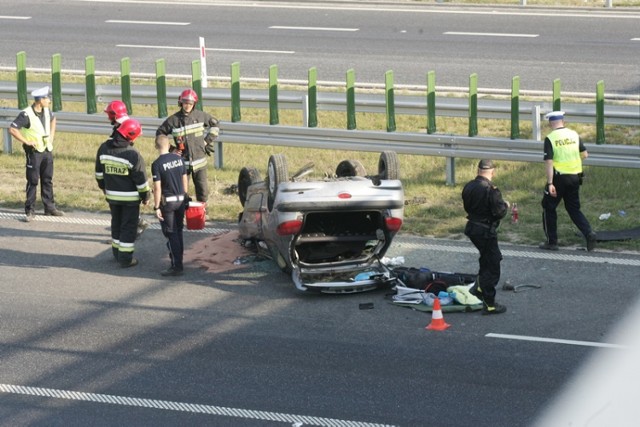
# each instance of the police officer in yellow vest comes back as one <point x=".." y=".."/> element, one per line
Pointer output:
<point x="35" y="128"/>
<point x="563" y="155"/>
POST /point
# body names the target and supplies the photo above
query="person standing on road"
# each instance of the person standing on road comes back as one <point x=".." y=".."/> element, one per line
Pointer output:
<point x="193" y="132"/>
<point x="117" y="113"/>
<point x="485" y="208"/>
<point x="35" y="128"/>
<point x="170" y="184"/>
<point x="120" y="172"/>
<point x="563" y="155"/>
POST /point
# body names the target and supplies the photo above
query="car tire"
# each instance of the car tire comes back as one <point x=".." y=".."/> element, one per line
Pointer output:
<point x="348" y="168"/>
<point x="388" y="165"/>
<point x="277" y="172"/>
<point x="247" y="177"/>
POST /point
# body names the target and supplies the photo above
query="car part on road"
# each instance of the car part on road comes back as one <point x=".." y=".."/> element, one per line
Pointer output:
<point x="507" y="286"/>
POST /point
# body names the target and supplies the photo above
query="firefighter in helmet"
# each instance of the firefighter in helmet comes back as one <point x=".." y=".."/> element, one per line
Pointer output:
<point x="120" y="172"/>
<point x="193" y="133"/>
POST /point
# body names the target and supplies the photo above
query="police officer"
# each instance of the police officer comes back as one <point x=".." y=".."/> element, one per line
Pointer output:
<point x="169" y="193"/>
<point x="193" y="133"/>
<point x="485" y="208"/>
<point x="35" y="128"/>
<point x="563" y="154"/>
<point x="120" y="172"/>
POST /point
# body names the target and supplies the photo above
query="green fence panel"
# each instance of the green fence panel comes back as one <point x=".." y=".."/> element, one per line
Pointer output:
<point x="473" y="104"/>
<point x="21" y="79"/>
<point x="390" y="101"/>
<point x="125" y="83"/>
<point x="236" y="112"/>
<point x="557" y="104"/>
<point x="600" y="138"/>
<point x="351" y="99"/>
<point x="161" y="88"/>
<point x="273" y="95"/>
<point x="312" y="93"/>
<point x="56" y="82"/>
<point x="90" y="84"/>
<point x="431" y="102"/>
<point x="196" y="81"/>
<point x="515" y="107"/>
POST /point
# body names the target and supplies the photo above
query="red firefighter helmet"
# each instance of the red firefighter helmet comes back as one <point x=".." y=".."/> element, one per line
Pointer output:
<point x="130" y="129"/>
<point x="188" y="95"/>
<point x="116" y="111"/>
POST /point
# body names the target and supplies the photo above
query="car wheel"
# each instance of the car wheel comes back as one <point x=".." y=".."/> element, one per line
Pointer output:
<point x="277" y="172"/>
<point x="247" y="177"/>
<point x="350" y="168"/>
<point x="388" y="165"/>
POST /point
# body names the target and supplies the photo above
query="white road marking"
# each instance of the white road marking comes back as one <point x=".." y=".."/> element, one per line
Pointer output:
<point x="635" y="39"/>
<point x="142" y="46"/>
<point x="120" y="21"/>
<point x="461" y="33"/>
<point x="369" y="8"/>
<point x="556" y="341"/>
<point x="281" y="27"/>
<point x="183" y="407"/>
<point x="14" y="17"/>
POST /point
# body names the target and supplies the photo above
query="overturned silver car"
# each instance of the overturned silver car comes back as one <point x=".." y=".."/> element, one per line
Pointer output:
<point x="328" y="233"/>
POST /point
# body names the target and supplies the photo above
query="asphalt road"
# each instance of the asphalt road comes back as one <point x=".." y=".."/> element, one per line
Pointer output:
<point x="83" y="342"/>
<point x="580" y="47"/>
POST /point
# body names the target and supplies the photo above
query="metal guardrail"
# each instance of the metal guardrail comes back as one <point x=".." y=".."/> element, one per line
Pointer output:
<point x="628" y="115"/>
<point x="448" y="146"/>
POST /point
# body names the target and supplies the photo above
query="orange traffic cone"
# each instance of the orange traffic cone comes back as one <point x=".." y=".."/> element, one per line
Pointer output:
<point x="437" y="320"/>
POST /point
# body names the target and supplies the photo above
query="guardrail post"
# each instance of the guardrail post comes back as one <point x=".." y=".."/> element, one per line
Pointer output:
<point x="609" y="3"/>
<point x="90" y="84"/>
<point x="161" y="88"/>
<point x="600" y="138"/>
<point x="236" y="112"/>
<point x="535" y="123"/>
<point x="351" y="99"/>
<point x="515" y="107"/>
<point x="557" y="104"/>
<point x="312" y="97"/>
<point x="125" y="83"/>
<point x="56" y="82"/>
<point x="273" y="95"/>
<point x="431" y="102"/>
<point x="450" y="169"/>
<point x="473" y="104"/>
<point x="196" y="81"/>
<point x="389" y="101"/>
<point x="6" y="137"/>
<point x="21" y="79"/>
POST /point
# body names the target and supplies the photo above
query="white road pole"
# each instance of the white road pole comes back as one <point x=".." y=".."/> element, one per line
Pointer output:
<point x="203" y="63"/>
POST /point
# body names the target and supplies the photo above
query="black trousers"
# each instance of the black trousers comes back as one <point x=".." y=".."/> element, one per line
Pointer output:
<point x="124" y="226"/>
<point x="39" y="170"/>
<point x="200" y="183"/>
<point x="486" y="241"/>
<point x="567" y="189"/>
<point x="172" y="226"/>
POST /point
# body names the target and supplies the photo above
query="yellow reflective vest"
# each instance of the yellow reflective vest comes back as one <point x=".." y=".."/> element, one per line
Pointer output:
<point x="566" y="151"/>
<point x="37" y="131"/>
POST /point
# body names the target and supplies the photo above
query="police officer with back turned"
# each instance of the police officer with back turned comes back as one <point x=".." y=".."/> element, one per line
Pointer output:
<point x="35" y="128"/>
<point x="563" y="155"/>
<point x="485" y="208"/>
<point x="169" y="194"/>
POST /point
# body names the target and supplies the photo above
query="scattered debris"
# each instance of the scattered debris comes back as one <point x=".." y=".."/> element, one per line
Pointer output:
<point x="604" y="216"/>
<point x="507" y="286"/>
<point x="366" y="306"/>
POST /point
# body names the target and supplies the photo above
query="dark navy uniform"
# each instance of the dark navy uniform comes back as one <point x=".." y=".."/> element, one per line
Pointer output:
<point x="169" y="169"/>
<point x="120" y="172"/>
<point x="485" y="208"/>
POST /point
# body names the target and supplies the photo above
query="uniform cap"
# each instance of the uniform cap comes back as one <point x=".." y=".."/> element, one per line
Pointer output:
<point x="554" y="115"/>
<point x="486" y="164"/>
<point x="43" y="92"/>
